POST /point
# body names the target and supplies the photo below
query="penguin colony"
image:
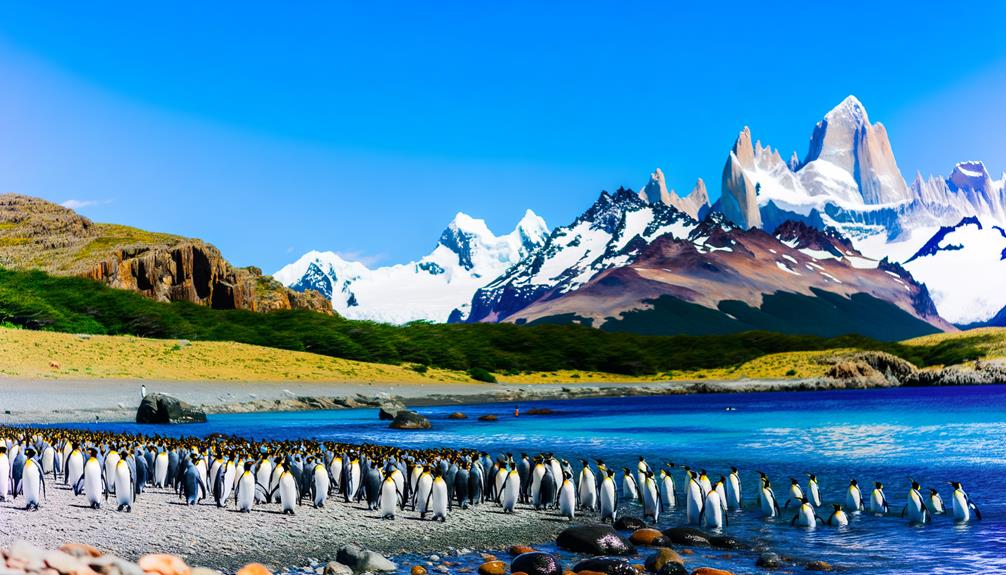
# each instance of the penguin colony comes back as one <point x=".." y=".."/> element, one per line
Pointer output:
<point x="106" y="468"/>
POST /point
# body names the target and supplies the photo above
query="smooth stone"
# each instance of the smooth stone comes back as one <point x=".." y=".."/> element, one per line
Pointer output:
<point x="661" y="557"/>
<point x="80" y="550"/>
<point x="492" y="568"/>
<point x="768" y="560"/>
<point x="457" y="415"/>
<point x="161" y="408"/>
<point x="673" y="569"/>
<point x="362" y="560"/>
<point x="336" y="568"/>
<point x="65" y="563"/>
<point x="488" y="417"/>
<point x="254" y="569"/>
<point x="726" y="542"/>
<point x="711" y="571"/>
<point x="416" y="570"/>
<point x="536" y="563"/>
<point x="605" y="565"/>
<point x="163" y="564"/>
<point x="596" y="539"/>
<point x="648" y="537"/>
<point x="687" y="536"/>
<point x="817" y="566"/>
<point x="112" y="565"/>
<point x="520" y="550"/>
<point x="629" y="523"/>
<point x="406" y="419"/>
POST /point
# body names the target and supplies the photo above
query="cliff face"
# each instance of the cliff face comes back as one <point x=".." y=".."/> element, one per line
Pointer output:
<point x="36" y="234"/>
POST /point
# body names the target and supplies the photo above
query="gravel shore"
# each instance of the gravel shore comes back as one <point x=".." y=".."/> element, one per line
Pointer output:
<point x="226" y="539"/>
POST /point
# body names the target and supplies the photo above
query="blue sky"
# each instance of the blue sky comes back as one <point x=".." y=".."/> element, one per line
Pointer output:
<point x="362" y="128"/>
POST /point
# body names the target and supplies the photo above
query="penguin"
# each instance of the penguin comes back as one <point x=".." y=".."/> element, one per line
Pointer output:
<point x="390" y="497"/>
<point x="287" y="490"/>
<point x="711" y="515"/>
<point x="936" y="503"/>
<point x="424" y="486"/>
<point x="567" y="496"/>
<point x="5" y="480"/>
<point x="962" y="505"/>
<point x="320" y="484"/>
<point x="734" y="489"/>
<point x="547" y="489"/>
<point x="878" y="501"/>
<point x="666" y="490"/>
<point x="769" y="504"/>
<point x="838" y="518"/>
<point x="476" y="484"/>
<point x="795" y="492"/>
<point x="461" y="487"/>
<point x="650" y="496"/>
<point x="92" y="481"/>
<point x="916" y="507"/>
<point x="694" y="499"/>
<point x="511" y="491"/>
<point x="608" y="495"/>
<point x="17" y="469"/>
<point x="141" y="471"/>
<point x="125" y="486"/>
<point x="192" y="485"/>
<point x="641" y="469"/>
<point x="372" y="486"/>
<point x="524" y="472"/>
<point x="32" y="482"/>
<point x="439" y="501"/>
<point x="335" y="472"/>
<point x="224" y="483"/>
<point x="854" y="497"/>
<point x="805" y="516"/>
<point x="263" y="478"/>
<point x="537" y="473"/>
<point x="246" y="492"/>
<point x="49" y="460"/>
<point x="351" y="483"/>
<point x="629" y="488"/>
<point x="814" y="490"/>
<point x="111" y="462"/>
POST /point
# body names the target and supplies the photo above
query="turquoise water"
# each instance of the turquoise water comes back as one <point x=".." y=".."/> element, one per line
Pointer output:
<point x="934" y="435"/>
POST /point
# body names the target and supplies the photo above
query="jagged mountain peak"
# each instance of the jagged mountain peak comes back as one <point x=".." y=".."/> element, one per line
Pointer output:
<point x="851" y="111"/>
<point x="970" y="175"/>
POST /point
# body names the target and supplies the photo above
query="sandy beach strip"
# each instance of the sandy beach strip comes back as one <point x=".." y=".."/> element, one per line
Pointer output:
<point x="227" y="539"/>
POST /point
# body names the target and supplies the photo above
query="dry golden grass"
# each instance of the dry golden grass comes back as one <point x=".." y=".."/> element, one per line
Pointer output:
<point x="992" y="343"/>
<point x="40" y="354"/>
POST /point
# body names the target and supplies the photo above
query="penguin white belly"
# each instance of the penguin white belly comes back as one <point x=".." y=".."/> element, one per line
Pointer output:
<point x="123" y="486"/>
<point x="693" y="503"/>
<point x="629" y="490"/>
<point x="722" y="490"/>
<point x="877" y="501"/>
<point x="915" y="509"/>
<point x="539" y="472"/>
<point x="588" y="491"/>
<point x="31" y="484"/>
<point x="962" y="511"/>
<point x="733" y="492"/>
<point x="389" y="499"/>
<point x="5" y="486"/>
<point x="439" y="499"/>
<point x="567" y="499"/>
<point x="423" y="488"/>
<point x="712" y="513"/>
<point x="815" y="493"/>
<point x="161" y="469"/>
<point x="854" y="499"/>
<point x="48" y="460"/>
<point x="667" y="492"/>
<point x="287" y="493"/>
<point x="607" y="497"/>
<point x="705" y="484"/>
<point x="93" y="488"/>
<point x="201" y="469"/>
<point x="651" y="501"/>
<point x="768" y="503"/>
<point x="511" y="491"/>
<point x="246" y="495"/>
<point x="262" y="477"/>
<point x="335" y="470"/>
<point x="111" y="462"/>
<point x="229" y="472"/>
<point x="936" y="504"/>
<point x="321" y="485"/>
<point x="805" y="516"/>
<point x="840" y="519"/>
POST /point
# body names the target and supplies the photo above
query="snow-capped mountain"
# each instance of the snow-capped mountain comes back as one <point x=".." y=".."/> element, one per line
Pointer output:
<point x="965" y="267"/>
<point x="850" y="181"/>
<point x="607" y="235"/>
<point x="467" y="257"/>
<point x="629" y="264"/>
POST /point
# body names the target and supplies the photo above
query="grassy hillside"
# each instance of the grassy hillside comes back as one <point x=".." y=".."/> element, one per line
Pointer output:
<point x="36" y="300"/>
<point x="39" y="354"/>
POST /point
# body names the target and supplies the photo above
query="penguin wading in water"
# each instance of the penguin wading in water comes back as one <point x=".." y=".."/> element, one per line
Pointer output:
<point x="734" y="489"/>
<point x="805" y="516"/>
<point x="916" y="508"/>
<point x="666" y="490"/>
<point x="711" y="515"/>
<point x="854" y="497"/>
<point x="769" y="504"/>
<point x="651" y="496"/>
<point x="962" y="505"/>
<point x="813" y="490"/>
<point x="694" y="499"/>
<point x="878" y="501"/>
<point x="838" y="517"/>
<point x="936" y="503"/>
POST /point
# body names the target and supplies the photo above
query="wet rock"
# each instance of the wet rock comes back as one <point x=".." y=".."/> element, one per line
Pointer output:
<point x="648" y="537"/>
<point x="388" y="411"/>
<point x="416" y="570"/>
<point x="336" y="568"/>
<point x="540" y="411"/>
<point x="711" y="571"/>
<point x="457" y="415"/>
<point x="629" y="523"/>
<point x="661" y="557"/>
<point x="80" y="550"/>
<point x="406" y="419"/>
<point x="363" y="560"/>
<point x="163" y="564"/>
<point x="520" y="549"/>
<point x="160" y="408"/>
<point x="536" y="563"/>
<point x="726" y="542"/>
<point x="768" y="560"/>
<point x="605" y="565"/>
<point x="488" y="417"/>
<point x="596" y="539"/>
<point x="492" y="568"/>
<point x="254" y="569"/>
<point x="673" y="569"/>
<point x="817" y="566"/>
<point x="687" y="536"/>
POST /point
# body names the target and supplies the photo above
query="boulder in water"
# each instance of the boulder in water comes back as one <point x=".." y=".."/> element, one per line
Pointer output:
<point x="362" y="560"/>
<point x="687" y="536"/>
<point x="629" y="523"/>
<point x="536" y="563"/>
<point x="606" y="565"/>
<point x="596" y="539"/>
<point x="406" y="419"/>
<point x="661" y="557"/>
<point x="161" y="408"/>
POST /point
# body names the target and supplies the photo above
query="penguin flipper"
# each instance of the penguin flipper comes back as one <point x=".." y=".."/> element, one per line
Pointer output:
<point x="978" y="512"/>
<point x="793" y="522"/>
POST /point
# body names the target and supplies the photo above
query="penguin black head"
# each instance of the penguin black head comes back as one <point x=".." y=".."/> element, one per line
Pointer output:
<point x="793" y="481"/>
<point x="837" y="506"/>
<point x="933" y="491"/>
<point x="955" y="484"/>
<point x="29" y="453"/>
<point x="878" y="485"/>
<point x="3" y="449"/>
<point x="853" y="483"/>
<point x="626" y="470"/>
<point x="641" y="458"/>
<point x="915" y="485"/>
<point x="733" y="469"/>
<point x="723" y="480"/>
<point x="611" y="473"/>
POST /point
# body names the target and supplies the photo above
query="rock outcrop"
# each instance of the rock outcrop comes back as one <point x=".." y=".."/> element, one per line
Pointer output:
<point x="406" y="419"/>
<point x="695" y="204"/>
<point x="161" y="408"/>
<point x="739" y="201"/>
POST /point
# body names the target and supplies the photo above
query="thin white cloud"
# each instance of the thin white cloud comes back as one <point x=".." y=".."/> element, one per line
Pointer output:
<point x="369" y="260"/>
<point x="78" y="204"/>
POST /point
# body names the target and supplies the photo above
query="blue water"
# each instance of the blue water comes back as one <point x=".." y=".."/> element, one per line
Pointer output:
<point x="934" y="435"/>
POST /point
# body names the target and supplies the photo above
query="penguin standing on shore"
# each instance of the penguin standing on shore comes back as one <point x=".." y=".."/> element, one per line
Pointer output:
<point x="320" y="484"/>
<point x="608" y="496"/>
<point x="651" y="497"/>
<point x="524" y="471"/>
<point x="390" y="498"/>
<point x="439" y="500"/>
<point x="125" y="486"/>
<point x="510" y="492"/>
<point x="192" y="487"/>
<point x="567" y="496"/>
<point x="461" y="487"/>
<point x="161" y="469"/>
<point x="32" y="481"/>
<point x="92" y="481"/>
<point x="421" y="498"/>
<point x="5" y="481"/>
<point x="246" y="492"/>
<point x="287" y="490"/>
<point x="586" y="490"/>
<point x="548" y="490"/>
<point x="734" y="489"/>
<point x="372" y="486"/>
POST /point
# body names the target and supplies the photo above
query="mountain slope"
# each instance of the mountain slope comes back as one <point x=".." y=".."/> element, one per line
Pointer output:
<point x="39" y="235"/>
<point x="438" y="286"/>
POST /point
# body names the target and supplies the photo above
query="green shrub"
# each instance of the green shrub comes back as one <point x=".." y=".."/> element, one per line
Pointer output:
<point x="790" y="372"/>
<point x="420" y="368"/>
<point x="479" y="374"/>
